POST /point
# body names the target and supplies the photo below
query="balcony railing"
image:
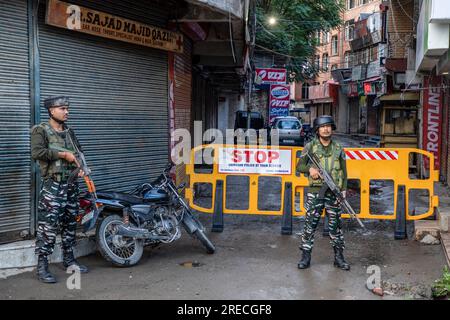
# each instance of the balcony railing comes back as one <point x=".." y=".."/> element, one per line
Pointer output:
<point x="399" y="42"/>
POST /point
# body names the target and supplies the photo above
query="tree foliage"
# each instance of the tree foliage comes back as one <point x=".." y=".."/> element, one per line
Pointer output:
<point x="293" y="36"/>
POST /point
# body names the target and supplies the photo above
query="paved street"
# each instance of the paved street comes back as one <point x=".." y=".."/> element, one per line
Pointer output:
<point x="253" y="261"/>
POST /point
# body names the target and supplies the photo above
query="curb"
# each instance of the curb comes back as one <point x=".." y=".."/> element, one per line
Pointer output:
<point x="21" y="254"/>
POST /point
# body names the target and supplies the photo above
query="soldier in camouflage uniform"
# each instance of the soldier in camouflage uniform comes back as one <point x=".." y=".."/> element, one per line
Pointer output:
<point x="53" y="145"/>
<point x="332" y="158"/>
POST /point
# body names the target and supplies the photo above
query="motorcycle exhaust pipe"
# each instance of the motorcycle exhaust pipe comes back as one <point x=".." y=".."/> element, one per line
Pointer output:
<point x="133" y="232"/>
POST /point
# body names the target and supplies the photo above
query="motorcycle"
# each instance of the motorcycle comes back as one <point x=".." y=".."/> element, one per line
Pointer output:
<point x="151" y="214"/>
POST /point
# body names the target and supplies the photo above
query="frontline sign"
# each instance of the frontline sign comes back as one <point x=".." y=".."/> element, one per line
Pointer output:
<point x="73" y="17"/>
<point x="432" y="119"/>
<point x="260" y="161"/>
<point x="271" y="75"/>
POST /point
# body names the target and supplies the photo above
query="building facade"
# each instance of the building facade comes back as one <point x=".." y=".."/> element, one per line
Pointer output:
<point x="134" y="72"/>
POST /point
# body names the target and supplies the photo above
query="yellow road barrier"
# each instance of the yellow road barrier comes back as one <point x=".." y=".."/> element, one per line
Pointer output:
<point x="363" y="164"/>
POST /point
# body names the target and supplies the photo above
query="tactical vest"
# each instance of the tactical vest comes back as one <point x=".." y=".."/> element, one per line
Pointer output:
<point x="330" y="161"/>
<point x="56" y="142"/>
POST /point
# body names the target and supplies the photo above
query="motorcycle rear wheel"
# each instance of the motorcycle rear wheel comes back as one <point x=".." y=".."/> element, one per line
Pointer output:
<point x="120" y="251"/>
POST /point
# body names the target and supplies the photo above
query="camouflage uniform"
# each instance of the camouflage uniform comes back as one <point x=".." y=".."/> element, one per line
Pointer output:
<point x="58" y="199"/>
<point x="332" y="159"/>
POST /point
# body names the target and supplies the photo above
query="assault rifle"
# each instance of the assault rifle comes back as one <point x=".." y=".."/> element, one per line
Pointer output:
<point x="80" y="160"/>
<point x="331" y="185"/>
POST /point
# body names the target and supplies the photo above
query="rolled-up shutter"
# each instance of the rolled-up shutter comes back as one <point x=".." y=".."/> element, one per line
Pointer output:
<point x="118" y="94"/>
<point x="183" y="96"/>
<point x="15" y="121"/>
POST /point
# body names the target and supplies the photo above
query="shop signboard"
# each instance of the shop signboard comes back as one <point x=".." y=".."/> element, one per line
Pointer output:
<point x="73" y="17"/>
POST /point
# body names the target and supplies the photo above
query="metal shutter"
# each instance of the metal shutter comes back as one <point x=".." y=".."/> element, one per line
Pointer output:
<point x="183" y="96"/>
<point x="15" y="121"/>
<point x="118" y="94"/>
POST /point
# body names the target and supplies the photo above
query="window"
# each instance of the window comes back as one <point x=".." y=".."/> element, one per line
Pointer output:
<point x="317" y="62"/>
<point x="351" y="4"/>
<point x="348" y="60"/>
<point x="349" y="30"/>
<point x="326" y="37"/>
<point x="325" y="62"/>
<point x="317" y="37"/>
<point x="288" y="124"/>
<point x="305" y="91"/>
<point x="334" y="45"/>
<point x="373" y="54"/>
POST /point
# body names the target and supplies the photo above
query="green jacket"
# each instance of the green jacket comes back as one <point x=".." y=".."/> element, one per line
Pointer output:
<point x="337" y="169"/>
<point x="45" y="145"/>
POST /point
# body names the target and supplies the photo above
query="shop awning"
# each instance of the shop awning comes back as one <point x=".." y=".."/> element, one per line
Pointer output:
<point x="407" y="96"/>
<point x="372" y="79"/>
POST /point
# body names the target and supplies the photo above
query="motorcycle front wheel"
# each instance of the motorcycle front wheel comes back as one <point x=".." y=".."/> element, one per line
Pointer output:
<point x="201" y="236"/>
<point x="119" y="250"/>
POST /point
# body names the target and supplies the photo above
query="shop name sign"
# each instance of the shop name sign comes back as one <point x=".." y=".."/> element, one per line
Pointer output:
<point x="261" y="161"/>
<point x="271" y="75"/>
<point x="279" y="101"/>
<point x="432" y="119"/>
<point x="73" y="17"/>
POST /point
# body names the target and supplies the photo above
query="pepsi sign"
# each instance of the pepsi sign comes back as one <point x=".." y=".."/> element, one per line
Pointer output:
<point x="279" y="92"/>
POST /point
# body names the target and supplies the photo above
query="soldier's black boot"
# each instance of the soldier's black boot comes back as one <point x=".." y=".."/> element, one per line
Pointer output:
<point x="305" y="262"/>
<point x="42" y="270"/>
<point x="69" y="260"/>
<point x="339" y="260"/>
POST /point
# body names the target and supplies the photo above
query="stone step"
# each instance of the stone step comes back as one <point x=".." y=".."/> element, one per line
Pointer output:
<point x="445" y="241"/>
<point x="21" y="254"/>
<point x="427" y="231"/>
<point x="443" y="217"/>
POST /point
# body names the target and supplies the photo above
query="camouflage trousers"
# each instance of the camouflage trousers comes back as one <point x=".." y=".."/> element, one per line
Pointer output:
<point x="57" y="210"/>
<point x="314" y="207"/>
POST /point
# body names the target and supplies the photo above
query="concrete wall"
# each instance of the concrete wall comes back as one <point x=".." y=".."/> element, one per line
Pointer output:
<point x="227" y="110"/>
<point x="342" y="125"/>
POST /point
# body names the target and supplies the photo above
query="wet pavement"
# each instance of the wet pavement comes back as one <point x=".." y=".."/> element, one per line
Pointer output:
<point x="254" y="261"/>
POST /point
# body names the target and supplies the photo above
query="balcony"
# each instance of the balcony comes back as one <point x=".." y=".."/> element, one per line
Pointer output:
<point x="368" y="31"/>
<point x="399" y="42"/>
<point x="324" y="93"/>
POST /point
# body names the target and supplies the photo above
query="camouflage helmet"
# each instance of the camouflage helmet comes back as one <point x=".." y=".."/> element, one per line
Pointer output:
<point x="322" y="121"/>
<point x="54" y="102"/>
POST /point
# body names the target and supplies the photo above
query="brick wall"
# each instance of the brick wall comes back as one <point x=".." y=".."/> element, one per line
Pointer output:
<point x="343" y="44"/>
<point x="400" y="27"/>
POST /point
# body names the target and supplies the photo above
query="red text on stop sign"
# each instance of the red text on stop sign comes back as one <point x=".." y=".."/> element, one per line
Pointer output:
<point x="260" y="156"/>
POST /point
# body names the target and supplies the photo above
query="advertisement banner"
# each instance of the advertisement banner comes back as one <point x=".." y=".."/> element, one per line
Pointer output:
<point x="432" y="119"/>
<point x="279" y="101"/>
<point x="270" y="76"/>
<point x="260" y="161"/>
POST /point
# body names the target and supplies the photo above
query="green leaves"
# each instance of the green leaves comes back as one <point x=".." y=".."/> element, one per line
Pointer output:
<point x="294" y="32"/>
<point x="441" y="287"/>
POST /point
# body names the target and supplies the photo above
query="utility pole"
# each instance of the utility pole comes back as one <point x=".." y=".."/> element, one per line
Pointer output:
<point x="250" y="71"/>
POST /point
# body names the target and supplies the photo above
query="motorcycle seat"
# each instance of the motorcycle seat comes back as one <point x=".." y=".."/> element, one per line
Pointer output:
<point x="125" y="197"/>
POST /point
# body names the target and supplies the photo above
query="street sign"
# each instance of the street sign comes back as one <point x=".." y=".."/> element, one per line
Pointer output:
<point x="270" y="76"/>
<point x="279" y="101"/>
<point x="259" y="161"/>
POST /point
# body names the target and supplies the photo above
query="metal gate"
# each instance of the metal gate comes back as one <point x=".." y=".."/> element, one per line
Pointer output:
<point x="118" y="94"/>
<point x="15" y="120"/>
